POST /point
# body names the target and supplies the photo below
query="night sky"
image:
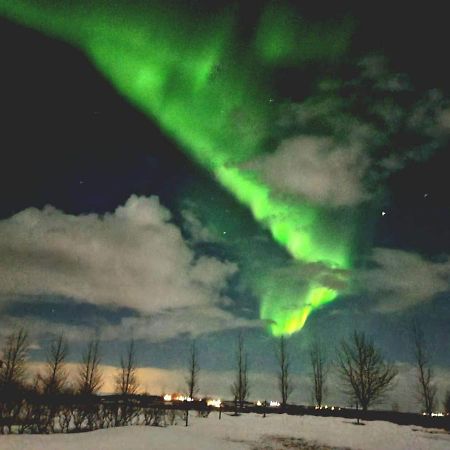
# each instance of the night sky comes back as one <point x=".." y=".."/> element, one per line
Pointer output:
<point x="194" y="172"/>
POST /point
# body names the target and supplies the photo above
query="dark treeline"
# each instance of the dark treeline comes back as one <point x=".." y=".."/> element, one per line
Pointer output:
<point x="29" y="411"/>
<point x="48" y="403"/>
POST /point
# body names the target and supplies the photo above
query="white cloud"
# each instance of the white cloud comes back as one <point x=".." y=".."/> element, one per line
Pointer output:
<point x="133" y="257"/>
<point x="316" y="170"/>
<point x="403" y="279"/>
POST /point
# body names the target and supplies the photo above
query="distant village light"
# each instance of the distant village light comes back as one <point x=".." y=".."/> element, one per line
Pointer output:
<point x="214" y="402"/>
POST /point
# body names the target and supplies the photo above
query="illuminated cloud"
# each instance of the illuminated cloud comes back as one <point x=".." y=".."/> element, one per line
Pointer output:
<point x="315" y="170"/>
<point x="191" y="321"/>
<point x="134" y="257"/>
<point x="402" y="279"/>
<point x="197" y="231"/>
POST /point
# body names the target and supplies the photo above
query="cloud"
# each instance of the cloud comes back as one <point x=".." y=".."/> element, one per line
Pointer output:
<point x="197" y="231"/>
<point x="133" y="257"/>
<point x="403" y="279"/>
<point x="161" y="327"/>
<point x="374" y="67"/>
<point x="373" y="131"/>
<point x="295" y="275"/>
<point x="164" y="326"/>
<point x="443" y="121"/>
<point x="315" y="169"/>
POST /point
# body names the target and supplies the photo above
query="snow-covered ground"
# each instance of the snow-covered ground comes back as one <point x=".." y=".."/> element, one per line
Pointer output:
<point x="247" y="432"/>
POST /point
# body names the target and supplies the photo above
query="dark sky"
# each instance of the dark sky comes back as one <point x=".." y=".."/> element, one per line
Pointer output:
<point x="70" y="140"/>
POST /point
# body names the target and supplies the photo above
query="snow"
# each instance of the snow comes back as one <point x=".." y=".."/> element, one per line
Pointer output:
<point x="246" y="432"/>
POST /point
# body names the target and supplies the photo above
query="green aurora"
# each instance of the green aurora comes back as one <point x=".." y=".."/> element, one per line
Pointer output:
<point x="210" y="94"/>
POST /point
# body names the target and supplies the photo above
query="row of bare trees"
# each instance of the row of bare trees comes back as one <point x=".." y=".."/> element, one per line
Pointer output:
<point x="49" y="404"/>
<point x="53" y="379"/>
<point x="365" y="374"/>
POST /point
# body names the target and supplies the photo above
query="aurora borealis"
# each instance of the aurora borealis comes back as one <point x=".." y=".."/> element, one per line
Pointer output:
<point x="213" y="98"/>
<point x="190" y="169"/>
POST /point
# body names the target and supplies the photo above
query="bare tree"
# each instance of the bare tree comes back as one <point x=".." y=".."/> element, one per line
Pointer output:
<point x="55" y="374"/>
<point x="15" y="352"/>
<point x="240" y="388"/>
<point x="319" y="371"/>
<point x="192" y="378"/>
<point x="365" y="373"/>
<point x="194" y="369"/>
<point x="425" y="385"/>
<point x="90" y="378"/>
<point x="126" y="379"/>
<point x="284" y="376"/>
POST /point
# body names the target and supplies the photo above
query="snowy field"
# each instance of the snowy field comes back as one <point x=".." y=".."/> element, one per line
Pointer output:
<point x="247" y="432"/>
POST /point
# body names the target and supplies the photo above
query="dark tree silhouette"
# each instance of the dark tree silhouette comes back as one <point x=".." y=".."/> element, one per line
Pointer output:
<point x="55" y="374"/>
<point x="126" y="378"/>
<point x="319" y="371"/>
<point x="194" y="369"/>
<point x="90" y="378"/>
<point x="15" y="352"/>
<point x="240" y="389"/>
<point x="284" y="375"/>
<point x="365" y="373"/>
<point x="425" y="385"/>
<point x="192" y="378"/>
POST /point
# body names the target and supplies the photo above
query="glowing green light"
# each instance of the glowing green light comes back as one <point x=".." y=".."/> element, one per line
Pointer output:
<point x="192" y="80"/>
<point x="274" y="311"/>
